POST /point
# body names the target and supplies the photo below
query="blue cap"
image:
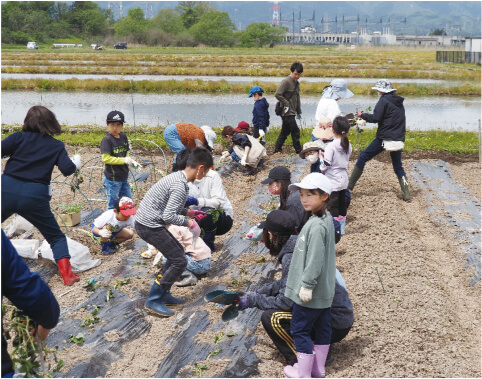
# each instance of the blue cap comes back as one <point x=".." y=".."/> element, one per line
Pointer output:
<point x="255" y="89"/>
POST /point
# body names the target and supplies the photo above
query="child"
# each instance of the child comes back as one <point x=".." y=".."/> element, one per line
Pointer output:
<point x="389" y="113"/>
<point x="337" y="155"/>
<point x="260" y="113"/>
<point x="109" y="226"/>
<point x="115" y="155"/>
<point x="323" y="133"/>
<point x="311" y="279"/>
<point x="198" y="254"/>
<point x="246" y="149"/>
<point x="313" y="154"/>
<point x="243" y="127"/>
<point x="163" y="204"/>
<point x="34" y="153"/>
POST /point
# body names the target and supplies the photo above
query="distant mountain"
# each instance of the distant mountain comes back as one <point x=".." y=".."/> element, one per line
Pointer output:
<point x="422" y="17"/>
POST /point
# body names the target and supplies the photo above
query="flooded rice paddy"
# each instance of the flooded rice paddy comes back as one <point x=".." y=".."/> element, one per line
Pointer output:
<point x="423" y="113"/>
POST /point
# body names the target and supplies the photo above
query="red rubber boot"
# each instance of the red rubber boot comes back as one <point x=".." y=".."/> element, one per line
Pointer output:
<point x="66" y="272"/>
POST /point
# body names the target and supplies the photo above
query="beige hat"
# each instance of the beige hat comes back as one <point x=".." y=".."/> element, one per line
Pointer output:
<point x="324" y="134"/>
<point x="309" y="146"/>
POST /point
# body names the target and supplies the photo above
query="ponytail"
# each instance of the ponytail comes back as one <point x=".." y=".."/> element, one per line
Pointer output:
<point x="341" y="126"/>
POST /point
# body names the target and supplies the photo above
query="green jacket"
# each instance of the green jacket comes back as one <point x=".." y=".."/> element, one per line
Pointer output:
<point x="313" y="263"/>
<point x="288" y="93"/>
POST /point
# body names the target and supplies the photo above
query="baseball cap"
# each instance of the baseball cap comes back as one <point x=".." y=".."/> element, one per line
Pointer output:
<point x="254" y="89"/>
<point x="315" y="180"/>
<point x="115" y="116"/>
<point x="277" y="173"/>
<point x="279" y="222"/>
<point x="126" y="206"/>
<point x="243" y="125"/>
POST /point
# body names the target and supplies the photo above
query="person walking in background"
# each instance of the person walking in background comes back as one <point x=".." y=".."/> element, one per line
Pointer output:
<point x="34" y="153"/>
<point x="260" y="113"/>
<point x="288" y="94"/>
<point x="114" y="148"/>
<point x="389" y="113"/>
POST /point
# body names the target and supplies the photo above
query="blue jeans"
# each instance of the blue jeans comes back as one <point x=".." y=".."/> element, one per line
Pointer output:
<point x="235" y="157"/>
<point x="171" y="136"/>
<point x="198" y="267"/>
<point x="376" y="148"/>
<point x="115" y="189"/>
<point x="32" y="202"/>
<point x="304" y="321"/>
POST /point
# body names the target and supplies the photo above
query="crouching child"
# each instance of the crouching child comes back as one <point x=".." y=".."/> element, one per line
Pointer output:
<point x="110" y="226"/>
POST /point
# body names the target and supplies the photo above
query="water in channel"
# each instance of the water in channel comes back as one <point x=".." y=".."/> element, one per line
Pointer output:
<point x="78" y="108"/>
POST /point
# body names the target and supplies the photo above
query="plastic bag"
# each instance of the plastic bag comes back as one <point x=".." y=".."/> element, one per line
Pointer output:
<point x="80" y="257"/>
<point x="392" y="145"/>
<point x="27" y="248"/>
<point x="18" y="226"/>
<point x="254" y="234"/>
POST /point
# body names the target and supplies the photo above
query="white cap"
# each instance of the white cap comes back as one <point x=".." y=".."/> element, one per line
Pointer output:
<point x="209" y="135"/>
<point x="315" y="180"/>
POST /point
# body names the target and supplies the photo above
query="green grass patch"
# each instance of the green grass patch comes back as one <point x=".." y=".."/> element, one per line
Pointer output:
<point x="432" y="140"/>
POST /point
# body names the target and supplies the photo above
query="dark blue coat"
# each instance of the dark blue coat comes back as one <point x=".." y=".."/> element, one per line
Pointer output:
<point x="261" y="114"/>
<point x="28" y="292"/>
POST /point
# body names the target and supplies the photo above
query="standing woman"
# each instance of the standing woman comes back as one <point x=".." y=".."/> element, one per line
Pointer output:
<point x="389" y="113"/>
<point x="26" y="180"/>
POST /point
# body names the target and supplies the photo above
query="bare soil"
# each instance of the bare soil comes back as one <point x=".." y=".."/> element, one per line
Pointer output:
<point x="415" y="313"/>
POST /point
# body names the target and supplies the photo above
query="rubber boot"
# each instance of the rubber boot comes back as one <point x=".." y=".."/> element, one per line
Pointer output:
<point x="171" y="300"/>
<point x="404" y="186"/>
<point x="321" y="352"/>
<point x="66" y="272"/>
<point x="355" y="175"/>
<point x="155" y="301"/>
<point x="301" y="369"/>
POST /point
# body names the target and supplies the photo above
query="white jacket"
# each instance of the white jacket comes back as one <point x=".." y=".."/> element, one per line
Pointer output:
<point x="210" y="193"/>
<point x="327" y="108"/>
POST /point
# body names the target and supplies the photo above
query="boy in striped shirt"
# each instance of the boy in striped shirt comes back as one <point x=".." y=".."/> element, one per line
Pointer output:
<point x="164" y="204"/>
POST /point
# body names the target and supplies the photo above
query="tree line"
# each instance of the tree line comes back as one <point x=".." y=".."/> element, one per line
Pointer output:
<point x="191" y="23"/>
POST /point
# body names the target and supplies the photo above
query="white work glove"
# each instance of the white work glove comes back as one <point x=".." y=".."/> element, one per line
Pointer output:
<point x="243" y="161"/>
<point x="131" y="162"/>
<point x="305" y="294"/>
<point x="285" y="110"/>
<point x="225" y="154"/>
<point x="261" y="133"/>
<point x="76" y="160"/>
<point x="105" y="233"/>
<point x="267" y="129"/>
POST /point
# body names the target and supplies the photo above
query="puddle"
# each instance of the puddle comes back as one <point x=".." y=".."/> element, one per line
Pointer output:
<point x="453" y="205"/>
<point x="423" y="113"/>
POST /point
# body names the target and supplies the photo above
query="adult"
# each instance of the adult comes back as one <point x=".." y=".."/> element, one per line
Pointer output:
<point x="328" y="105"/>
<point x="34" y="153"/>
<point x="288" y="93"/>
<point x="389" y="113"/>
<point x="29" y="293"/>
<point x="181" y="136"/>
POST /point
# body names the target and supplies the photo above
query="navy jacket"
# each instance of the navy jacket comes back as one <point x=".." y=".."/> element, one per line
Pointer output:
<point x="389" y="113"/>
<point x="28" y="292"/>
<point x="240" y="139"/>
<point x="33" y="157"/>
<point x="261" y="114"/>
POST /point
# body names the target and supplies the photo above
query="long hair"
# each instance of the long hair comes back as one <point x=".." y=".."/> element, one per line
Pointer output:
<point x="227" y="131"/>
<point x="276" y="244"/>
<point x="283" y="196"/>
<point x="341" y="126"/>
<point x="40" y="119"/>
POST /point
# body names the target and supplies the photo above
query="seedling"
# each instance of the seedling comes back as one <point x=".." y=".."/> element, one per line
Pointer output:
<point x="198" y="368"/>
<point x="110" y="294"/>
<point x="232" y="335"/>
<point x="243" y="270"/>
<point x="396" y="299"/>
<point x="213" y="353"/>
<point x="218" y="338"/>
<point x="88" y="321"/>
<point x="78" y="338"/>
<point x="261" y="260"/>
<point x="70" y="208"/>
<point x="121" y="282"/>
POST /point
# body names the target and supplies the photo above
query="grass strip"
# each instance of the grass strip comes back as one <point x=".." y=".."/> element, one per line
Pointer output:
<point x="220" y="87"/>
<point x="432" y="140"/>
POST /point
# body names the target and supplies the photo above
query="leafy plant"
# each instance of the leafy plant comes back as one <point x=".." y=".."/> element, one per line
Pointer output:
<point x="78" y="338"/>
<point x="199" y="368"/>
<point x="28" y="356"/>
<point x="215" y="213"/>
<point x="109" y="294"/>
<point x="121" y="282"/>
<point x="70" y="208"/>
<point x="213" y="353"/>
<point x="218" y="338"/>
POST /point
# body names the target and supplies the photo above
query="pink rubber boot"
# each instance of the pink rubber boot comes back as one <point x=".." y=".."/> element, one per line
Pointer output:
<point x="301" y="369"/>
<point x="321" y="352"/>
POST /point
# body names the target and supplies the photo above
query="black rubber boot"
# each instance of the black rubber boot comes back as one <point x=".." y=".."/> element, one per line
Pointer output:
<point x="156" y="301"/>
<point x="209" y="239"/>
<point x="355" y="175"/>
<point x="171" y="300"/>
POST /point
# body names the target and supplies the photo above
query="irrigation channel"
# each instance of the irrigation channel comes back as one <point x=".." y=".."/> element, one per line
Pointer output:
<point x="76" y="108"/>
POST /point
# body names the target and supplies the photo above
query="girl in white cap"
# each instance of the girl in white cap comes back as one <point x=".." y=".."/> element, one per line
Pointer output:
<point x="311" y="280"/>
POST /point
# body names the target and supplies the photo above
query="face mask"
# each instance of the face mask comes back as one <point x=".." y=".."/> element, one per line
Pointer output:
<point x="313" y="158"/>
<point x="196" y="180"/>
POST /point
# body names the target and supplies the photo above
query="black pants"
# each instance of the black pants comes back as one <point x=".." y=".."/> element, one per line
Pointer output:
<point x="169" y="246"/>
<point x="338" y="203"/>
<point x="277" y="325"/>
<point x="289" y="126"/>
<point x="213" y="229"/>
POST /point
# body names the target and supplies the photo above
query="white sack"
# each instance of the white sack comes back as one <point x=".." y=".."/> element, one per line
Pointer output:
<point x="18" y="226"/>
<point x="26" y="248"/>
